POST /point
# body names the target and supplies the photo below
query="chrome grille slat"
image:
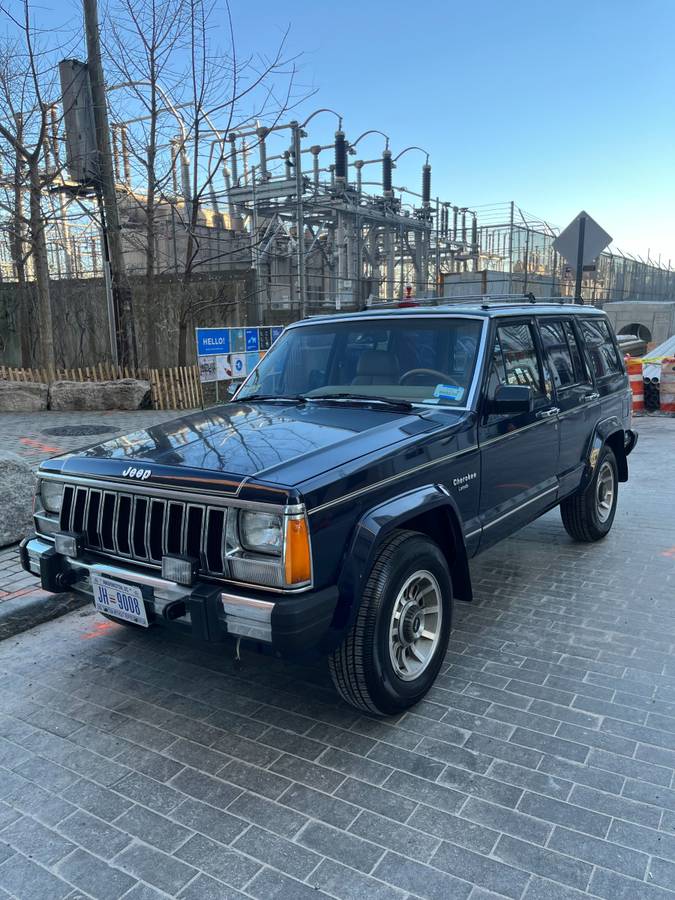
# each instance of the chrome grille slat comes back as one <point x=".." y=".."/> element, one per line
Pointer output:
<point x="85" y="519"/>
<point x="93" y="505"/>
<point x="107" y="531"/>
<point x="115" y="514"/>
<point x="163" y="526"/>
<point x="122" y="528"/>
<point x="136" y="521"/>
<point x="79" y="502"/>
<point x="156" y="528"/>
<point x="165" y="529"/>
<point x="203" y="562"/>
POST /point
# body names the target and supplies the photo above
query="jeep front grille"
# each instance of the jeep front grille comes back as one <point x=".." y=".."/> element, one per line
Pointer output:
<point x="146" y="528"/>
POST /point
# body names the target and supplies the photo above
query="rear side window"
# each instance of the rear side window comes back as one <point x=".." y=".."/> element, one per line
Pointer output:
<point x="580" y="371"/>
<point x="604" y="358"/>
<point x="515" y="358"/>
<point x="558" y="352"/>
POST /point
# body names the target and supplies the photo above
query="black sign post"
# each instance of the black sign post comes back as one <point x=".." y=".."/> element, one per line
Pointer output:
<point x="580" y="260"/>
<point x="580" y="244"/>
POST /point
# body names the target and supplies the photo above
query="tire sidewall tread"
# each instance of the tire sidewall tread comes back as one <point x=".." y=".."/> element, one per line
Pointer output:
<point x="360" y="667"/>
<point x="579" y="512"/>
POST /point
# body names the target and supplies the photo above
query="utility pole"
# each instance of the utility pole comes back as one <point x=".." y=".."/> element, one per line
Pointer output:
<point x="121" y="288"/>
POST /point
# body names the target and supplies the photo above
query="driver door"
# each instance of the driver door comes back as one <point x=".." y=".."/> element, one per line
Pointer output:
<point x="519" y="452"/>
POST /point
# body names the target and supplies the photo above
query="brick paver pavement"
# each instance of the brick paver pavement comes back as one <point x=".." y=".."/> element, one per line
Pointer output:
<point x="28" y="433"/>
<point x="540" y="766"/>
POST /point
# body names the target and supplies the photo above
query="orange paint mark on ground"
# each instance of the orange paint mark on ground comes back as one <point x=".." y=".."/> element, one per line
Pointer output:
<point x="98" y="630"/>
<point x="24" y="592"/>
<point x="38" y="445"/>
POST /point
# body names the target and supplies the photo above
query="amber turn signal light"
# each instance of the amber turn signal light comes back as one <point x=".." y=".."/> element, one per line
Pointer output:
<point x="298" y="563"/>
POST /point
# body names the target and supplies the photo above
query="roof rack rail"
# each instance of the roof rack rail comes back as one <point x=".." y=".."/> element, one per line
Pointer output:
<point x="486" y="301"/>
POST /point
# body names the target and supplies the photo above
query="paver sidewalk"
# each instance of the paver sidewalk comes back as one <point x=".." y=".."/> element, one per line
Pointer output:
<point x="28" y="434"/>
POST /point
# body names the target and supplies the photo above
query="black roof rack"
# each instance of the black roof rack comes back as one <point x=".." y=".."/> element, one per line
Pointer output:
<point x="486" y="301"/>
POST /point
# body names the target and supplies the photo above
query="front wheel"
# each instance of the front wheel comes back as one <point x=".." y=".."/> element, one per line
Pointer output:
<point x="588" y="516"/>
<point x="393" y="652"/>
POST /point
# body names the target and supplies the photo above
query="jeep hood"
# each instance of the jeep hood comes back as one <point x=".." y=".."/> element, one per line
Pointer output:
<point x="272" y="443"/>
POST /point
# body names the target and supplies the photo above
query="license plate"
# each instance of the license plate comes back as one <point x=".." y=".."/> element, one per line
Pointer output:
<point x="123" y="601"/>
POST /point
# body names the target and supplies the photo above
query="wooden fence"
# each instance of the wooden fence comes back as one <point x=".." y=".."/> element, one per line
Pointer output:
<point x="178" y="387"/>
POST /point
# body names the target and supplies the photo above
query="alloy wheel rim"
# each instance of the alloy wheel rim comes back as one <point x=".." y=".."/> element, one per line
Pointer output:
<point x="605" y="490"/>
<point x="415" y="625"/>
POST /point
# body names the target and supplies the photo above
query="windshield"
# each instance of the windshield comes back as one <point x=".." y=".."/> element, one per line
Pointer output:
<point x="417" y="360"/>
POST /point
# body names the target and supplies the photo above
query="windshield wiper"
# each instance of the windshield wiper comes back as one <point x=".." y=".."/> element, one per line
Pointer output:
<point x="362" y="398"/>
<point x="278" y="398"/>
<point x="330" y="398"/>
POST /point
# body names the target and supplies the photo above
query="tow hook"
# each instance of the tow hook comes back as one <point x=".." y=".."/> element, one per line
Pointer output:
<point x="65" y="580"/>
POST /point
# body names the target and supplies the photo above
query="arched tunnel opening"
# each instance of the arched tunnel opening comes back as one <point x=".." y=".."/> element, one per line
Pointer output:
<point x="638" y="330"/>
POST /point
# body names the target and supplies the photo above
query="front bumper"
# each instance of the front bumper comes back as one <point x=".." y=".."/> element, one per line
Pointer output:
<point x="292" y="624"/>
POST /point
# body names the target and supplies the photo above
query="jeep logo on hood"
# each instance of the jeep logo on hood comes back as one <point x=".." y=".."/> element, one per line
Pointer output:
<point x="140" y="474"/>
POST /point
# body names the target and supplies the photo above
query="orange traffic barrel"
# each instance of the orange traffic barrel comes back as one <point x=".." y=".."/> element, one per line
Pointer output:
<point x="667" y="385"/>
<point x="634" y="367"/>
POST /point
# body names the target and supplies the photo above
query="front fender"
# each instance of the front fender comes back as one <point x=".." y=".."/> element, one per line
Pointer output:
<point x="607" y="431"/>
<point x="425" y="504"/>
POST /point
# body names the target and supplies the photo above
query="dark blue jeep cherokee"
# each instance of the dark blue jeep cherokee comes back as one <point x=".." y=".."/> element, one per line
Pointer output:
<point x="334" y="504"/>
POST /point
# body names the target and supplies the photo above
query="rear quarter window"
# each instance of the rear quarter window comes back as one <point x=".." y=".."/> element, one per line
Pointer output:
<point x="602" y="352"/>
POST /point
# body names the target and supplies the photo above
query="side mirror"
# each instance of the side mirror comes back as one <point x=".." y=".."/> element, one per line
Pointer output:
<point x="511" y="399"/>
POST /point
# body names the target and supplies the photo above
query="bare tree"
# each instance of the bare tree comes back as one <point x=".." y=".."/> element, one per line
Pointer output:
<point x="27" y="79"/>
<point x="183" y="96"/>
<point x="141" y="42"/>
<point x="227" y="92"/>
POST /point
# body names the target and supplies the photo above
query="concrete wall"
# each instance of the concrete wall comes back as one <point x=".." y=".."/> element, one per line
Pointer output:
<point x="81" y="336"/>
<point x="658" y="318"/>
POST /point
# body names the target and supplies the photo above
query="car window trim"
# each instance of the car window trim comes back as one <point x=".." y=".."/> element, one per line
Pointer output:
<point x="597" y="379"/>
<point x="560" y="320"/>
<point x="478" y="364"/>
<point x="495" y="323"/>
<point x="581" y="343"/>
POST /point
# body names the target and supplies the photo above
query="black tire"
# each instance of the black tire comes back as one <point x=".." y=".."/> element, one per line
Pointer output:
<point x="361" y="667"/>
<point x="582" y="514"/>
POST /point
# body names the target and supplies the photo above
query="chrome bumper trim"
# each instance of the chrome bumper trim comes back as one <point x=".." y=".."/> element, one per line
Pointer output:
<point x="244" y="616"/>
<point x="248" y="617"/>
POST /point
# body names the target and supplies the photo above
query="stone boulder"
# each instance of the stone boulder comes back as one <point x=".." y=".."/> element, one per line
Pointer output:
<point x="128" y="393"/>
<point x="17" y="483"/>
<point x="23" y="396"/>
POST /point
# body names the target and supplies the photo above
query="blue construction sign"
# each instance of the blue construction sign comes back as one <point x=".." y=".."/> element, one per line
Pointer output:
<point x="213" y="341"/>
<point x="237" y="350"/>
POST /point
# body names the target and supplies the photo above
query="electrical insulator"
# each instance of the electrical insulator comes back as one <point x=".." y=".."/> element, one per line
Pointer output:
<point x="386" y="172"/>
<point x="340" y="155"/>
<point x="426" y="184"/>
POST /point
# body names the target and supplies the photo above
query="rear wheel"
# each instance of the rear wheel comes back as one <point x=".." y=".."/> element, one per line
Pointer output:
<point x="392" y="655"/>
<point x="588" y="516"/>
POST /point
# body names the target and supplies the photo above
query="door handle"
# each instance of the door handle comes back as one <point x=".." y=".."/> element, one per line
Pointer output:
<point x="588" y="397"/>
<point x="547" y="413"/>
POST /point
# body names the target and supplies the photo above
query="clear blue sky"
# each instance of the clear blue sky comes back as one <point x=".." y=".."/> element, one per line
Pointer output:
<point x="557" y="105"/>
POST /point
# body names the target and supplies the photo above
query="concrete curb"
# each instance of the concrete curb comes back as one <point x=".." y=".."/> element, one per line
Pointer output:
<point x="24" y="612"/>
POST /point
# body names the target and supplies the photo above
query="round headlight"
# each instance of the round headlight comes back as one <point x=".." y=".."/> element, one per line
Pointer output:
<point x="51" y="494"/>
<point x="260" y="532"/>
